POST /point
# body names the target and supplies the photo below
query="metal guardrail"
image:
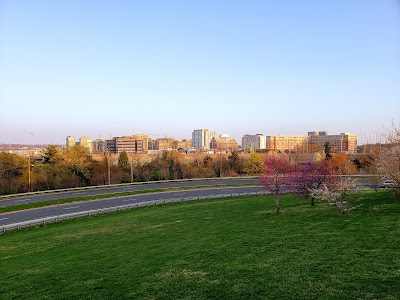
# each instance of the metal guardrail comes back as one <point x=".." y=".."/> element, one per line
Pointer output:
<point x="147" y="182"/>
<point x="124" y="184"/>
<point x="87" y="213"/>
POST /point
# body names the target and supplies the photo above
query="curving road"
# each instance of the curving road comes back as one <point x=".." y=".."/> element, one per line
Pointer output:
<point x="57" y="210"/>
<point x="126" y="188"/>
<point x="230" y="186"/>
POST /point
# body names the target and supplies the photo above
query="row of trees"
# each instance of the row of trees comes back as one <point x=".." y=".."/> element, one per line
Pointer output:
<point x="307" y="180"/>
<point x="74" y="167"/>
<point x="323" y="180"/>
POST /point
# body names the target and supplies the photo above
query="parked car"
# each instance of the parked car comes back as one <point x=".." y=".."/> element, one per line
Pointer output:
<point x="389" y="184"/>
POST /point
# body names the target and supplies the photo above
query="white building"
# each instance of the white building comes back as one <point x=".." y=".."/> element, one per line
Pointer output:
<point x="253" y="142"/>
<point x="71" y="141"/>
<point x="86" y="142"/>
<point x="201" y="138"/>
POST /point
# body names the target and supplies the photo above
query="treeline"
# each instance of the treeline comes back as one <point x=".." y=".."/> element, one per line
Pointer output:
<point x="74" y="167"/>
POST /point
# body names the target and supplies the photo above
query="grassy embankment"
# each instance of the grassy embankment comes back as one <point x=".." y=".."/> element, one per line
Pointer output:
<point x="235" y="248"/>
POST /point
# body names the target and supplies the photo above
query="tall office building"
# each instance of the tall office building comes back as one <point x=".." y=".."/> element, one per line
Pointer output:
<point x="111" y="146"/>
<point x="201" y="138"/>
<point x="296" y="143"/>
<point x="313" y="142"/>
<point x="223" y="143"/>
<point x="257" y="141"/>
<point x="86" y="142"/>
<point x="71" y="141"/>
<point x="182" y="144"/>
<point x="344" y="142"/>
<point x="136" y="143"/>
<point x="99" y="146"/>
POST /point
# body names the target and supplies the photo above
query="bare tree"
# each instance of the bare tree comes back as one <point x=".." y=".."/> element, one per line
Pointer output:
<point x="389" y="157"/>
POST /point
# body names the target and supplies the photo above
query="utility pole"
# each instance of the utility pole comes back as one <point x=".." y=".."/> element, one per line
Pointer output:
<point x="29" y="174"/>
<point x="108" y="165"/>
<point x="131" y="169"/>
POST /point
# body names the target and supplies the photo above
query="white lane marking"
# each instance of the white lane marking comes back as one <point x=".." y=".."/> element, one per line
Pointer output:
<point x="22" y="200"/>
<point x="72" y="207"/>
<point x="126" y="200"/>
<point x="79" y="193"/>
<point x="2" y="219"/>
<point x="180" y="194"/>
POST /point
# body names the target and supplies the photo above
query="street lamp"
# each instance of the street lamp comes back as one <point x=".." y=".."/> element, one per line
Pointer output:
<point x="29" y="174"/>
<point x="108" y="166"/>
<point x="131" y="161"/>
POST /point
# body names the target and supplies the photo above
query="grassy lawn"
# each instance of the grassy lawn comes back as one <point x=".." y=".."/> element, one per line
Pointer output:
<point x="235" y="248"/>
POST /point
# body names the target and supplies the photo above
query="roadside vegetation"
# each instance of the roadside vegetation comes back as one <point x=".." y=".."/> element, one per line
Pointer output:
<point x="236" y="248"/>
<point x="74" y="167"/>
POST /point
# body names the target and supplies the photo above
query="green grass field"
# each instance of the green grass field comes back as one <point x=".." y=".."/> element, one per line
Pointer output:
<point x="235" y="248"/>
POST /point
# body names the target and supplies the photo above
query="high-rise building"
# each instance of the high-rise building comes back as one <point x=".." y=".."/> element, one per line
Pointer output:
<point x="313" y="142"/>
<point x="223" y="143"/>
<point x="344" y="142"/>
<point x="165" y="144"/>
<point x="111" y="146"/>
<point x="99" y="146"/>
<point x="183" y="144"/>
<point x="287" y="143"/>
<point x="136" y="143"/>
<point x="71" y="141"/>
<point x="254" y="142"/>
<point x="201" y="138"/>
<point x="86" y="142"/>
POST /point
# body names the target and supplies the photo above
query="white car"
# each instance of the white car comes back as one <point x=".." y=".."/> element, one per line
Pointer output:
<point x="389" y="184"/>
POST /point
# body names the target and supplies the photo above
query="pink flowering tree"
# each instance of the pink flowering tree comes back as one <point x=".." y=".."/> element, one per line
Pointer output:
<point x="278" y="173"/>
<point x="312" y="176"/>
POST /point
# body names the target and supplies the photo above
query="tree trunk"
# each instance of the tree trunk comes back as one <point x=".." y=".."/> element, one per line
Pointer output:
<point x="343" y="207"/>
<point x="312" y="201"/>
<point x="278" y="208"/>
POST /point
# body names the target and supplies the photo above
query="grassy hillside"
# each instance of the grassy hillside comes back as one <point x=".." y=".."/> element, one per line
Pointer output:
<point x="233" y="248"/>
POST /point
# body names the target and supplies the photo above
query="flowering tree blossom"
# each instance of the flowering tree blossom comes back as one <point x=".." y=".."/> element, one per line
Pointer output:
<point x="278" y="173"/>
<point x="338" y="194"/>
<point x="313" y="175"/>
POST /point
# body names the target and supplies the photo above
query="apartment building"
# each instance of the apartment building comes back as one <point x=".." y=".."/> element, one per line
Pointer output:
<point x="201" y="138"/>
<point x="344" y="142"/>
<point x="111" y="146"/>
<point x="70" y="141"/>
<point x="287" y="143"/>
<point x="223" y="143"/>
<point x="137" y="143"/>
<point x="165" y="144"/>
<point x="86" y="141"/>
<point x="313" y="142"/>
<point x="254" y="142"/>
<point x="99" y="146"/>
<point x="182" y="144"/>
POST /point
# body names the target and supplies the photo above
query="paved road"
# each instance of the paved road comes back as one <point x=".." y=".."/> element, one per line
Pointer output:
<point x="20" y="216"/>
<point x="31" y="214"/>
<point x="126" y="188"/>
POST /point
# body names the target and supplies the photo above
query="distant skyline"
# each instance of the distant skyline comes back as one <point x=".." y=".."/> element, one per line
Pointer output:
<point x="95" y="68"/>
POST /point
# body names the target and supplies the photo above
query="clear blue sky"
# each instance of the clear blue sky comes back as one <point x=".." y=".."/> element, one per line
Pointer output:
<point x="96" y="68"/>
